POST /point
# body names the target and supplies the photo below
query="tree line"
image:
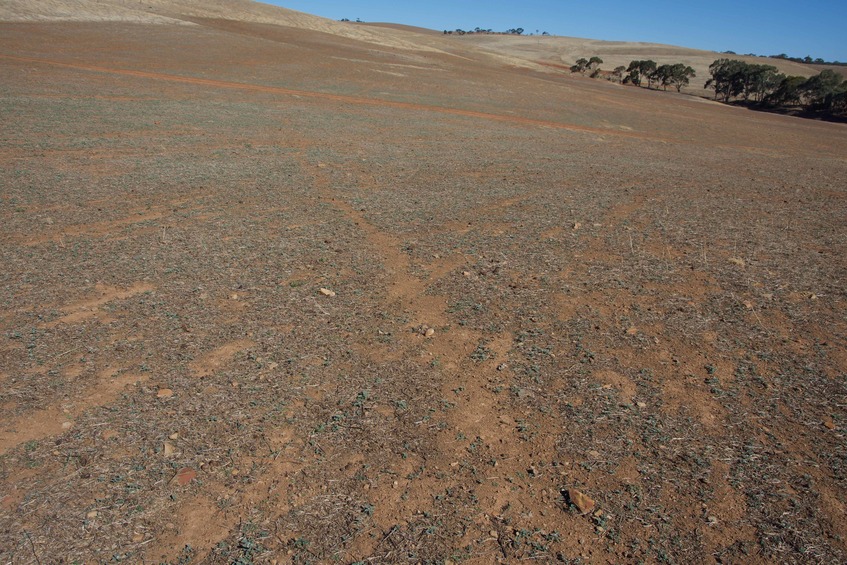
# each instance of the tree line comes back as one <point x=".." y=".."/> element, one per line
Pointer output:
<point x="807" y="59"/>
<point x="765" y="86"/>
<point x="511" y="31"/>
<point x="677" y="75"/>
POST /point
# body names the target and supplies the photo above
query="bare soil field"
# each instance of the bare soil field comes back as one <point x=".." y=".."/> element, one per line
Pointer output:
<point x="279" y="295"/>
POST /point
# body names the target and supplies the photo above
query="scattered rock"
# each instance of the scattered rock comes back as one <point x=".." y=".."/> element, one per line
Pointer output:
<point x="233" y="296"/>
<point x="92" y="514"/>
<point x="174" y="435"/>
<point x="466" y="273"/>
<point x="641" y="404"/>
<point x="327" y="292"/>
<point x="504" y="419"/>
<point x="582" y="502"/>
<point x="67" y="425"/>
<point x="184" y="476"/>
<point x="137" y="538"/>
<point x="108" y="434"/>
<point x="737" y="261"/>
<point x="502" y="367"/>
<point x="594" y="454"/>
<point x="169" y="449"/>
<point x="748" y="304"/>
<point x="576" y="225"/>
<point x="828" y="423"/>
<point x="632" y="330"/>
<point x="524" y="393"/>
<point x="164" y="393"/>
<point x="712" y="520"/>
<point x="429" y="332"/>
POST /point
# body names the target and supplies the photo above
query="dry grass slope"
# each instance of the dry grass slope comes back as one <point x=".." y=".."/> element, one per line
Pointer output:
<point x="277" y="292"/>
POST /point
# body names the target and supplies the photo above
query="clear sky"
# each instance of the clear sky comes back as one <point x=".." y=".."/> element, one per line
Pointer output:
<point x="764" y="27"/>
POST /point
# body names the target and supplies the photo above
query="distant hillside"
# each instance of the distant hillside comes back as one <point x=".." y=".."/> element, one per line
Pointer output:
<point x="550" y="54"/>
<point x="183" y="11"/>
<point x="564" y="51"/>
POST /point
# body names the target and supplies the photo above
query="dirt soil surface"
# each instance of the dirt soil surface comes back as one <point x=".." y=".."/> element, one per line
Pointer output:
<point x="278" y="295"/>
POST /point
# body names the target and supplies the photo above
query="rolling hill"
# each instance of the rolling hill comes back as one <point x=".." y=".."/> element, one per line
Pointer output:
<point x="279" y="289"/>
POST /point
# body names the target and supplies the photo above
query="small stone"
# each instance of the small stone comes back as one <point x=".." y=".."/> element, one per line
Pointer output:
<point x="576" y="225"/>
<point x="168" y="449"/>
<point x="67" y="425"/>
<point x="641" y="404"/>
<point x="828" y="423"/>
<point x="493" y="533"/>
<point x="137" y="538"/>
<point x="466" y="273"/>
<point x="748" y="304"/>
<point x="712" y="520"/>
<point x="429" y="332"/>
<point x="108" y="434"/>
<point x="327" y="292"/>
<point x="582" y="502"/>
<point x="594" y="454"/>
<point x="737" y="261"/>
<point x="233" y="296"/>
<point x="92" y="514"/>
<point x="164" y="393"/>
<point x="174" y="435"/>
<point x="502" y="367"/>
<point x="632" y="330"/>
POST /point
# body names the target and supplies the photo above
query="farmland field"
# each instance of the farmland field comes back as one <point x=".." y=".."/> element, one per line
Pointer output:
<point x="287" y="296"/>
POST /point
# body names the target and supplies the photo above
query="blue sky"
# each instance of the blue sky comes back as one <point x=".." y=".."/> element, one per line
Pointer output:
<point x="815" y="27"/>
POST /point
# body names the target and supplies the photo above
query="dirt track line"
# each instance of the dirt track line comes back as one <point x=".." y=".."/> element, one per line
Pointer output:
<point x="357" y="100"/>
